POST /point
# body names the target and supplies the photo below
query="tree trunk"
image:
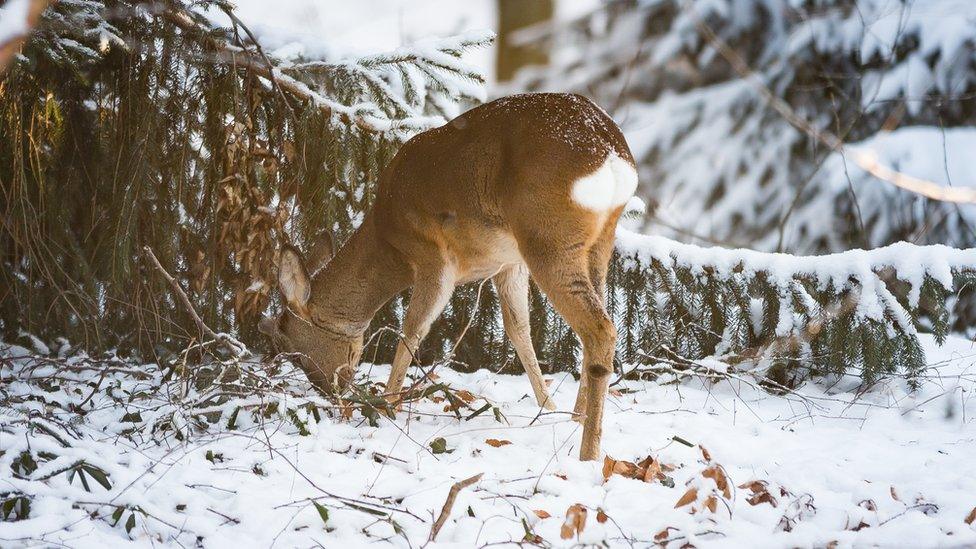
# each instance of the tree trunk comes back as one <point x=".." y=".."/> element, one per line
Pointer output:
<point x="514" y="15"/>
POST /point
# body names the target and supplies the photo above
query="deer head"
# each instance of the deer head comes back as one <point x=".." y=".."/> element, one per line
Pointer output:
<point x="327" y="355"/>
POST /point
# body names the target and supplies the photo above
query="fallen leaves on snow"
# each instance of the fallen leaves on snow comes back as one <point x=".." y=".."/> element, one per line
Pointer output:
<point x="575" y="521"/>
<point x="648" y="469"/>
<point x="497" y="443"/>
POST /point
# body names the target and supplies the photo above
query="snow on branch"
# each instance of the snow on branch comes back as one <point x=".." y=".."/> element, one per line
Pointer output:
<point x="868" y="160"/>
<point x="727" y="166"/>
<point x="857" y="309"/>
<point x="67" y="31"/>
<point x="377" y="94"/>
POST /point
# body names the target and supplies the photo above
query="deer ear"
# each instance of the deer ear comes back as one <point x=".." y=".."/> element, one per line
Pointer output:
<point x="293" y="281"/>
<point x="322" y="251"/>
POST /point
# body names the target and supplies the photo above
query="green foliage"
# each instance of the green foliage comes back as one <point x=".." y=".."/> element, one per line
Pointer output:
<point x="439" y="446"/>
<point x="667" y="309"/>
<point x="14" y="506"/>
<point x="323" y="513"/>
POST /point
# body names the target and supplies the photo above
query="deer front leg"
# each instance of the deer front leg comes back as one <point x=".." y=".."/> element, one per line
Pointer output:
<point x="579" y="409"/>
<point x="512" y="285"/>
<point x="430" y="295"/>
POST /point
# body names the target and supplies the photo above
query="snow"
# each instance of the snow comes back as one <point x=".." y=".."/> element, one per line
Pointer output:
<point x="895" y="461"/>
<point x="311" y="28"/>
<point x="725" y="168"/>
<point x="13" y="19"/>
<point x="910" y="263"/>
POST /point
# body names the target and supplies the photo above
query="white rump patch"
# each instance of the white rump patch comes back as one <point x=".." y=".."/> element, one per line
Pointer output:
<point x="611" y="185"/>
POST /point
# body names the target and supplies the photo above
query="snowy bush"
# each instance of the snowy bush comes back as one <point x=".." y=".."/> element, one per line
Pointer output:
<point x="855" y="311"/>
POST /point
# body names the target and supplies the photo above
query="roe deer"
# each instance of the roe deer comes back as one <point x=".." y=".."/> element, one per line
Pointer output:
<point x="530" y="184"/>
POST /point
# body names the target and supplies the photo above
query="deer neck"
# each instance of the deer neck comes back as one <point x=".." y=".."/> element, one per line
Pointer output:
<point x="365" y="274"/>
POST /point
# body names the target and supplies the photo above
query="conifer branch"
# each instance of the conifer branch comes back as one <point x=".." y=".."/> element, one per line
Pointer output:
<point x="865" y="159"/>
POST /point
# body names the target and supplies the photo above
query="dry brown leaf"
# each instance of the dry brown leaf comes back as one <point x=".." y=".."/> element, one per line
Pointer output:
<point x="608" y="465"/>
<point x="466" y="396"/>
<point x="894" y="494"/>
<point x="711" y="503"/>
<point x="345" y="410"/>
<point x="705" y="453"/>
<point x="664" y="534"/>
<point x="652" y="469"/>
<point x="601" y="517"/>
<point x="575" y="521"/>
<point x="690" y="496"/>
<point x="648" y="470"/>
<point x="971" y="517"/>
<point x="627" y="469"/>
<point x="762" y="497"/>
<point x="560" y="475"/>
<point x="760" y="492"/>
<point x="615" y="393"/>
<point x="541" y="514"/>
<point x="868" y="504"/>
<point x="620" y="467"/>
<point x="494" y="442"/>
<point x="718" y="475"/>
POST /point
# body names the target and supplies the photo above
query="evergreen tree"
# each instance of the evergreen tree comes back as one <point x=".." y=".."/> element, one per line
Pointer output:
<point x="127" y="125"/>
<point x="894" y="78"/>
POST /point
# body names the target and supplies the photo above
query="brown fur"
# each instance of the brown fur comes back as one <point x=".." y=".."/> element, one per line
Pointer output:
<point x="486" y="195"/>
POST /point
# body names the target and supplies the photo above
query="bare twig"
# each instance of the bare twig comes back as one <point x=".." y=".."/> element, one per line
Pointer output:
<point x="449" y="504"/>
<point x="236" y="348"/>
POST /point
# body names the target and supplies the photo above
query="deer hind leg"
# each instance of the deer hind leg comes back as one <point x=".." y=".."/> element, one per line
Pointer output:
<point x="565" y="278"/>
<point x="512" y="285"/>
<point x="598" y="262"/>
<point x="430" y="295"/>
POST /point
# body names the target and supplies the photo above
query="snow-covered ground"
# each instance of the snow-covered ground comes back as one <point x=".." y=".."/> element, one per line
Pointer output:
<point x="886" y="468"/>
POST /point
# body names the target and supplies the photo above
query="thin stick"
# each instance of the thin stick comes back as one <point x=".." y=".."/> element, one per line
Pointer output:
<point x="237" y="348"/>
<point x="449" y="504"/>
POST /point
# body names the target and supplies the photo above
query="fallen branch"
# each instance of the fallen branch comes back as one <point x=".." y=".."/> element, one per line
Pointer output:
<point x="236" y="348"/>
<point x="449" y="504"/>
